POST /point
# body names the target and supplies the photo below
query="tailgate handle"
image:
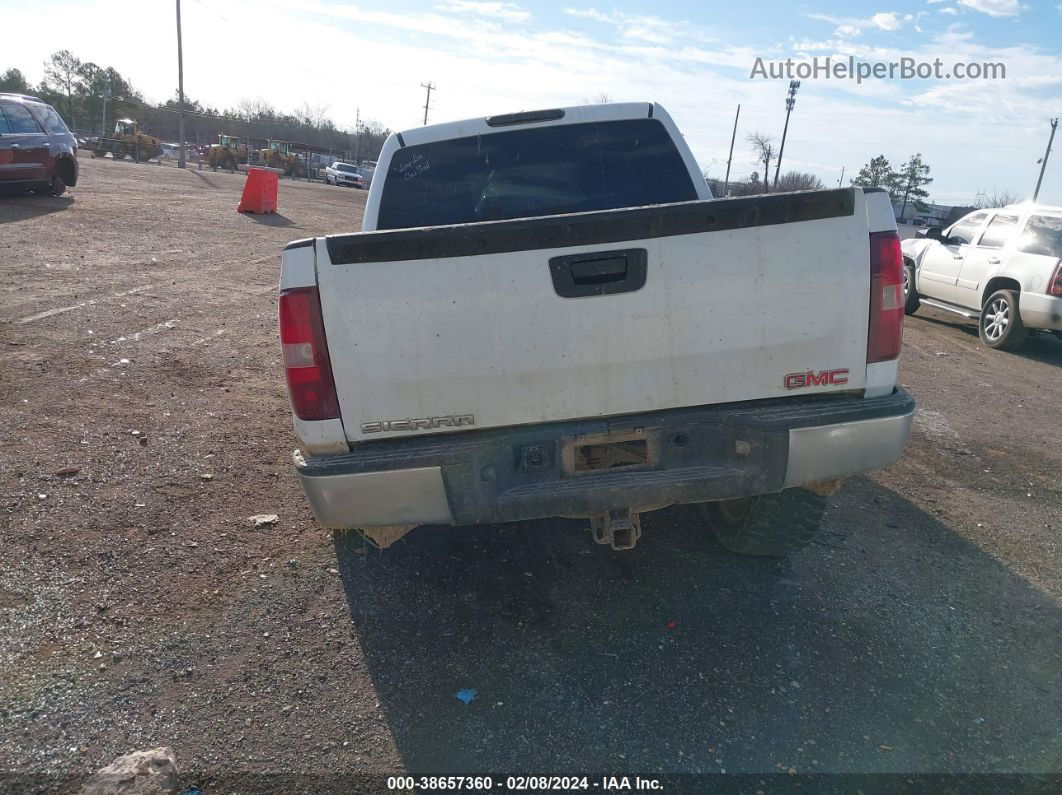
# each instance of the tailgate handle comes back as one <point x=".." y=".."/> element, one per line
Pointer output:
<point x="598" y="273"/>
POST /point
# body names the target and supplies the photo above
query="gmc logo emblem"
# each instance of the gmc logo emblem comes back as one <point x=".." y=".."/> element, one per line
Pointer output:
<point x="821" y="378"/>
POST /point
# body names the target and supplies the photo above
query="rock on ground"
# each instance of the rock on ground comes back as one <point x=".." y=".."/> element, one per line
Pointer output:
<point x="151" y="772"/>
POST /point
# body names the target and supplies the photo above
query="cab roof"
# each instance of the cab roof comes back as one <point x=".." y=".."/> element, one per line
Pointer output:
<point x="484" y="125"/>
<point x="22" y="97"/>
<point x="1034" y="207"/>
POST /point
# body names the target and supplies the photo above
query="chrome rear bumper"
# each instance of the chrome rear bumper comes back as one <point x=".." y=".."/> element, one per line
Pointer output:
<point x="695" y="455"/>
<point x="1039" y="310"/>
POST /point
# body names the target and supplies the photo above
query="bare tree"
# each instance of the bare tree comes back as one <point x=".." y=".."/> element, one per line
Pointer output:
<point x="799" y="180"/>
<point x="763" y="148"/>
<point x="255" y="109"/>
<point x="314" y="115"/>
<point x="998" y="198"/>
<point x="597" y="99"/>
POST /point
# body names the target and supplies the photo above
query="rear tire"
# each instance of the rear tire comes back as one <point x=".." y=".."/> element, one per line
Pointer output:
<point x="145" y="153"/>
<point x="772" y="525"/>
<point x="910" y="294"/>
<point x="1000" y="326"/>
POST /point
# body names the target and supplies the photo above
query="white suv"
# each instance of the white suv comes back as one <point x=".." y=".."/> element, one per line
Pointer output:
<point x="344" y="174"/>
<point x="1002" y="267"/>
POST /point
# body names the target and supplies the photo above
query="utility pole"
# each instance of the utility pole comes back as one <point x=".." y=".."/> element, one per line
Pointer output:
<point x="180" y="90"/>
<point x="357" y="133"/>
<point x="790" y="101"/>
<point x="842" y="177"/>
<point x="733" y="135"/>
<point x="1043" y="160"/>
<point x="430" y="87"/>
<point x="103" y="123"/>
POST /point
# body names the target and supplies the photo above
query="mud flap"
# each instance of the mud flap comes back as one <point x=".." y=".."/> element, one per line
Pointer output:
<point x="383" y="537"/>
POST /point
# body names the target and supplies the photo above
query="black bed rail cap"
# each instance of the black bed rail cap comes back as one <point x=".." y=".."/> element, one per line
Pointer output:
<point x="595" y="227"/>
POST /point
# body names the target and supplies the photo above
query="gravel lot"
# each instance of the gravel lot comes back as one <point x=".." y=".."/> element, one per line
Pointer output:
<point x="922" y="632"/>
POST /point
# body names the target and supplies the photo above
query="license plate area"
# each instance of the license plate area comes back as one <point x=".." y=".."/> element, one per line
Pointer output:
<point x="608" y="453"/>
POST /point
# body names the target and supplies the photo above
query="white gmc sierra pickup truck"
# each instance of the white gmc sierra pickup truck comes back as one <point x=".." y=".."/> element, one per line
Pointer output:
<point x="547" y="314"/>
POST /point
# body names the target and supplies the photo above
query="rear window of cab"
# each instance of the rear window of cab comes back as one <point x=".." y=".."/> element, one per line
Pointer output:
<point x="522" y="173"/>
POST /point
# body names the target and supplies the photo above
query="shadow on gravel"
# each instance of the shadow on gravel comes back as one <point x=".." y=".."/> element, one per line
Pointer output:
<point x="892" y="644"/>
<point x="1040" y="347"/>
<point x="271" y="219"/>
<point x="22" y="207"/>
<point x="203" y="177"/>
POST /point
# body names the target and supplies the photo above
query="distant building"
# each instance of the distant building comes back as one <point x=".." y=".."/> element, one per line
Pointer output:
<point x="928" y="215"/>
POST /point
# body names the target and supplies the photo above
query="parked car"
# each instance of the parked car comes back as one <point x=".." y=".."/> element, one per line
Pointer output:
<point x="344" y="174"/>
<point x="548" y="315"/>
<point x="37" y="151"/>
<point x="1001" y="267"/>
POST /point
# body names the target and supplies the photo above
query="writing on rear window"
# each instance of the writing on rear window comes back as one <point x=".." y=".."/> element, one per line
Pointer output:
<point x="412" y="169"/>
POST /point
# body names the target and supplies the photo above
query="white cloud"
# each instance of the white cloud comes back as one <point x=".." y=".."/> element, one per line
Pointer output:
<point x="510" y="12"/>
<point x="994" y="8"/>
<point x="589" y="13"/>
<point x="950" y="10"/>
<point x="642" y="27"/>
<point x="850" y="27"/>
<point x="886" y="21"/>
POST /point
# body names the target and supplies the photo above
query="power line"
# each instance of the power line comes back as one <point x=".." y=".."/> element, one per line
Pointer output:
<point x="223" y="18"/>
<point x="218" y="14"/>
<point x="847" y="142"/>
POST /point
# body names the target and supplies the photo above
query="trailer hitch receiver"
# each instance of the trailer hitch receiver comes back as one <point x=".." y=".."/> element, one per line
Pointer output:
<point x="620" y="529"/>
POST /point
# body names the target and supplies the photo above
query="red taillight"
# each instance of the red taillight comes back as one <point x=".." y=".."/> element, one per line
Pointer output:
<point x="1054" y="287"/>
<point x="886" y="297"/>
<point x="302" y="342"/>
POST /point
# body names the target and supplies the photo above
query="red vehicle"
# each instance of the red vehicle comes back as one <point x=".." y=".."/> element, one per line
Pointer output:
<point x="37" y="151"/>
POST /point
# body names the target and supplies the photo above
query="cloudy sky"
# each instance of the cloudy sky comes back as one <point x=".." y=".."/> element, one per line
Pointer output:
<point x="490" y="56"/>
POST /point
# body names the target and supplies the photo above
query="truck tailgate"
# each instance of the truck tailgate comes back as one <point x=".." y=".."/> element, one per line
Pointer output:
<point x="595" y="314"/>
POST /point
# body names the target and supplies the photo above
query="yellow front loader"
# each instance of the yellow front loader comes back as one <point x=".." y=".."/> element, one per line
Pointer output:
<point x="280" y="155"/>
<point x="127" y="141"/>
<point x="227" y="153"/>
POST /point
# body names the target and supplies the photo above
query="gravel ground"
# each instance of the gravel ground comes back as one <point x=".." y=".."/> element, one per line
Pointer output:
<point x="138" y="607"/>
